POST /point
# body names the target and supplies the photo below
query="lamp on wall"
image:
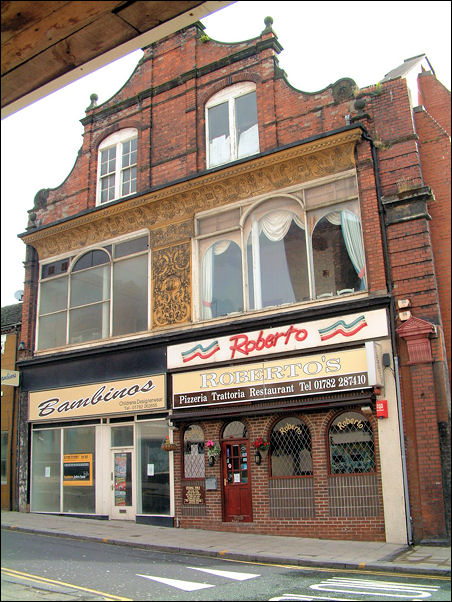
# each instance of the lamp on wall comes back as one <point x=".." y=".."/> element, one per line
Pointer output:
<point x="22" y="347"/>
<point x="258" y="457"/>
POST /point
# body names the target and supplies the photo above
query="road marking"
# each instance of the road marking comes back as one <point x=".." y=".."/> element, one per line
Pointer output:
<point x="319" y="569"/>
<point x="364" y="587"/>
<point x="187" y="586"/>
<point x="228" y="574"/>
<point x="306" y="598"/>
<point x="39" y="579"/>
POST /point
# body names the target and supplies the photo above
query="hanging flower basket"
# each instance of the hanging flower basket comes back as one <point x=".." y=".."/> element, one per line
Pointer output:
<point x="168" y="446"/>
<point x="261" y="446"/>
<point x="213" y="451"/>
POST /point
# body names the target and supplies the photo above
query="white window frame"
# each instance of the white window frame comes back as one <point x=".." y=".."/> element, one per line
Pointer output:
<point x="72" y="259"/>
<point x="250" y="210"/>
<point x="228" y="95"/>
<point x="115" y="140"/>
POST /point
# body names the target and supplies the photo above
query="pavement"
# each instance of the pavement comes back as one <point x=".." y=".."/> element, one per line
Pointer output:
<point x="299" y="551"/>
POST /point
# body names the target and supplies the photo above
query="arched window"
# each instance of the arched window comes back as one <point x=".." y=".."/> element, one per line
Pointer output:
<point x="290" y="449"/>
<point x="117" y="166"/>
<point x="194" y="465"/>
<point x="292" y="247"/>
<point x="235" y="430"/>
<point x="99" y="294"/>
<point x="89" y="304"/>
<point x="231" y="124"/>
<point x="276" y="259"/>
<point x="351" y="444"/>
<point x="222" y="288"/>
<point x="338" y="254"/>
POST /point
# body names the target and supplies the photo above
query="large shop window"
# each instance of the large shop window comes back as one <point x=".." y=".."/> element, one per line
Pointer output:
<point x="117" y="166"/>
<point x="98" y="294"/>
<point x="232" y="130"/>
<point x="153" y="469"/>
<point x="63" y="469"/>
<point x="283" y="250"/>
<point x="194" y="462"/>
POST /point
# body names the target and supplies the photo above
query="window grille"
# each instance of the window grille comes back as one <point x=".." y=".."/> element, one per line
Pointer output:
<point x="290" y="448"/>
<point x="194" y="465"/>
<point x="351" y="444"/>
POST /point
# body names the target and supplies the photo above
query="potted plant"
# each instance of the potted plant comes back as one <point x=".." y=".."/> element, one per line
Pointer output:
<point x="167" y="445"/>
<point x="260" y="447"/>
<point x="213" y="451"/>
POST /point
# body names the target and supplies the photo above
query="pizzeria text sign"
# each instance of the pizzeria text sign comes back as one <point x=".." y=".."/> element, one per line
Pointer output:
<point x="286" y="377"/>
<point x="320" y="333"/>
<point x="117" y="397"/>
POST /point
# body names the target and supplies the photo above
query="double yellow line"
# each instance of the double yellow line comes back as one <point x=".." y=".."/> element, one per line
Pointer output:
<point x="44" y="580"/>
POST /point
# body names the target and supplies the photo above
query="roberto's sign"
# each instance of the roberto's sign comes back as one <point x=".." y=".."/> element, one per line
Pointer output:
<point x="286" y="377"/>
<point x="117" y="397"/>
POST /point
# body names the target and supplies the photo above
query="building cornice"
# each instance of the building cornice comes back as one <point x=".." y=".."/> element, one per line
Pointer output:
<point x="177" y="203"/>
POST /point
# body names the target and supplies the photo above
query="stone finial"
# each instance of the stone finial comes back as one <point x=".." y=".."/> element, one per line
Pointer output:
<point x="93" y="98"/>
<point x="268" y="24"/>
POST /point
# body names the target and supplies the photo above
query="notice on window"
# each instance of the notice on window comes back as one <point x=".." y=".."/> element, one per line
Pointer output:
<point x="78" y="470"/>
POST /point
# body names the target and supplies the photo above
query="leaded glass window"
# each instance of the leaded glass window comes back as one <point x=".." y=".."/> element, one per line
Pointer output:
<point x="351" y="444"/>
<point x="235" y="430"/>
<point x="194" y="465"/>
<point x="290" y="448"/>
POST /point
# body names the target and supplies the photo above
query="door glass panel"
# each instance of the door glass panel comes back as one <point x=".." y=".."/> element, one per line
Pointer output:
<point x="122" y="436"/>
<point x="123" y="478"/>
<point x="236" y="464"/>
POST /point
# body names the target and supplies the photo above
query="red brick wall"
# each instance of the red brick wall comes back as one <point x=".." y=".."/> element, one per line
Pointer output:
<point x="433" y="128"/>
<point x="321" y="526"/>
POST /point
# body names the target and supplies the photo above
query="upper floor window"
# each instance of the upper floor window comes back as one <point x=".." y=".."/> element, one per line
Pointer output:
<point x="287" y="249"/>
<point x="96" y="295"/>
<point x="117" y="166"/>
<point x="232" y="130"/>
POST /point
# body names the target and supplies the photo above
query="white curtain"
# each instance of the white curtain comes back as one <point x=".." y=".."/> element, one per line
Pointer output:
<point x="207" y="275"/>
<point x="219" y="150"/>
<point x="248" y="143"/>
<point x="351" y="230"/>
<point x="275" y="225"/>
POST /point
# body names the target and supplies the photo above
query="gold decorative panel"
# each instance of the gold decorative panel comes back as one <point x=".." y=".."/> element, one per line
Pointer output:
<point x="171" y="285"/>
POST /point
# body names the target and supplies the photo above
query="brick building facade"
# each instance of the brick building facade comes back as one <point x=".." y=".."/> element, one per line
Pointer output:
<point x="233" y="259"/>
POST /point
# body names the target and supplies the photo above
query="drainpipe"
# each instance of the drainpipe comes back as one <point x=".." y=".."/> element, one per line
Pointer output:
<point x="373" y="149"/>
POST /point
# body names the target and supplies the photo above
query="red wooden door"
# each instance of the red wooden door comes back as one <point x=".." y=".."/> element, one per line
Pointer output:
<point x="236" y="481"/>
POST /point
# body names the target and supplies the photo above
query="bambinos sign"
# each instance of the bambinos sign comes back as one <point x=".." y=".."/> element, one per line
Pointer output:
<point x="117" y="397"/>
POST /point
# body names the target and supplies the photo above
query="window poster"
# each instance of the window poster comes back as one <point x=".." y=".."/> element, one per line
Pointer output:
<point x="78" y="470"/>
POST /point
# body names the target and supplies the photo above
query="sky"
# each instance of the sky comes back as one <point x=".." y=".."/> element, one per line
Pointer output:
<point x="322" y="42"/>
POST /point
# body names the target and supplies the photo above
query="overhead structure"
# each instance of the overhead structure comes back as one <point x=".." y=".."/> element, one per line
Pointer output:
<point x="47" y="45"/>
